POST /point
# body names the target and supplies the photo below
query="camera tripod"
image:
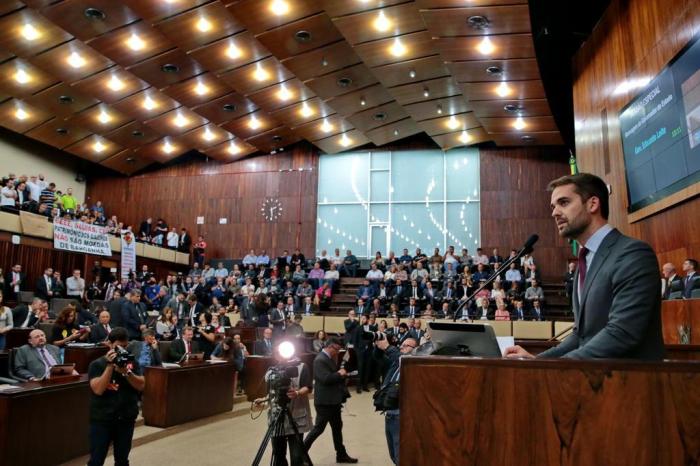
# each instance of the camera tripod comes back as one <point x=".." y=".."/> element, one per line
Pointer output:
<point x="276" y="429"/>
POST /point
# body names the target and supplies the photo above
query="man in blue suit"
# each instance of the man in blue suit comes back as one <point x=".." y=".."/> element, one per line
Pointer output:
<point x="616" y="299"/>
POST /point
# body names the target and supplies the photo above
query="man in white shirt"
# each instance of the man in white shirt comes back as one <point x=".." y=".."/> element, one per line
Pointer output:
<point x="262" y="259"/>
<point x="337" y="259"/>
<point x="36" y="186"/>
<point x="481" y="258"/>
<point x="75" y="285"/>
<point x="8" y="195"/>
<point x="172" y="239"/>
<point x="250" y="258"/>
<point x="221" y="271"/>
<point x="513" y="274"/>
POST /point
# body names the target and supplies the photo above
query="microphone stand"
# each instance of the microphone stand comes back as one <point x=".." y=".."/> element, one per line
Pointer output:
<point x="491" y="279"/>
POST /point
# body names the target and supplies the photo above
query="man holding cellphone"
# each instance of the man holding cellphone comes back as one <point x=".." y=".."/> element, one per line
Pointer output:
<point x="116" y="383"/>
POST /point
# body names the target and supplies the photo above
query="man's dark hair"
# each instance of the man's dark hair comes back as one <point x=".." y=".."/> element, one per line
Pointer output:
<point x="118" y="334"/>
<point x="586" y="185"/>
<point x="332" y="341"/>
<point x="149" y="332"/>
<point x="693" y="262"/>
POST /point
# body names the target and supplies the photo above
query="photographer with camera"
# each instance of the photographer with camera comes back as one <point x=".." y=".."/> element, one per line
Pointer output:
<point x="116" y="383"/>
<point x="330" y="394"/>
<point x="386" y="399"/>
<point x="289" y="386"/>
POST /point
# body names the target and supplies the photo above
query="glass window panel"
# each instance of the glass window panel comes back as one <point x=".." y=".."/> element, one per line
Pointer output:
<point x="379" y="213"/>
<point x="415" y="225"/>
<point x="462" y="168"/>
<point x="379" y="240"/>
<point x="380" y="160"/>
<point x="342" y="226"/>
<point x="417" y="174"/>
<point x="343" y="178"/>
<point x="463" y="226"/>
<point x="380" y="186"/>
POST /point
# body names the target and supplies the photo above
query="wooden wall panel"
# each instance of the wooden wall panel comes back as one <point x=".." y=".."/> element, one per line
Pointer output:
<point x="634" y="39"/>
<point x="515" y="203"/>
<point x="235" y="191"/>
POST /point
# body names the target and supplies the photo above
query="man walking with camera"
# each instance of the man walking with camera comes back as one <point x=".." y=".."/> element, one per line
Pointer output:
<point x="116" y="382"/>
<point x="386" y="399"/>
<point x="329" y="394"/>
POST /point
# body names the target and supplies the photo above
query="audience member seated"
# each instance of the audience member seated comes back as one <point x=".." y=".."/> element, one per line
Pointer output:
<point x="374" y="275"/>
<point x="412" y="310"/>
<point x="691" y="281"/>
<point x="481" y="258"/>
<point x="316" y="275"/>
<point x="430" y="295"/>
<point x="536" y="313"/>
<point x="205" y="335"/>
<point x="350" y="264"/>
<point x="100" y="331"/>
<point x="34" y="360"/>
<point x="264" y="347"/>
<point x="66" y="329"/>
<point x="146" y="352"/>
<point x="183" y="346"/>
<point x="501" y="311"/>
<point x="513" y="274"/>
<point x="295" y="329"/>
<point x="419" y="274"/>
<point x="324" y="295"/>
<point x="379" y="262"/>
<point x="319" y="341"/>
<point x="534" y="292"/>
<point x="166" y="325"/>
<point x="483" y="312"/>
<point x="519" y="312"/>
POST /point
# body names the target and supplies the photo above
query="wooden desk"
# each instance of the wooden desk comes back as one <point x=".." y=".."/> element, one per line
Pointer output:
<point x="44" y="423"/>
<point x="549" y="412"/>
<point x="82" y="357"/>
<point x="255" y="368"/>
<point x="17" y="337"/>
<point x="677" y="312"/>
<point x="177" y="395"/>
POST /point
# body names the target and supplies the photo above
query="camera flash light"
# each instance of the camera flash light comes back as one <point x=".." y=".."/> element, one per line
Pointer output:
<point x="286" y="350"/>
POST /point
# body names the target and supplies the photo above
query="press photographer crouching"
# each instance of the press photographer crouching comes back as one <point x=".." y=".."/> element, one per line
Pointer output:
<point x="116" y="383"/>
<point x="288" y="384"/>
<point x="386" y="399"/>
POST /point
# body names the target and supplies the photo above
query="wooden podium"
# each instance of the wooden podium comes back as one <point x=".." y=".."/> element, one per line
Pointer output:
<point x="473" y="412"/>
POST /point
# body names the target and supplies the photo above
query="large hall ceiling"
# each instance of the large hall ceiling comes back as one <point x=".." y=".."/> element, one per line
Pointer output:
<point x="125" y="83"/>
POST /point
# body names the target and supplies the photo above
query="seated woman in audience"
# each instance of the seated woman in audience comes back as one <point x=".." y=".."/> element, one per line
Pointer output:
<point x="287" y="275"/>
<point x="316" y="275"/>
<point x="323" y="297"/>
<point x="501" y="311"/>
<point x="262" y="288"/>
<point x="331" y="276"/>
<point x="236" y="274"/>
<point x="299" y="275"/>
<point x="319" y="341"/>
<point x="205" y="335"/>
<point x="383" y="326"/>
<point x="497" y="292"/>
<point x="66" y="329"/>
<point x="218" y="290"/>
<point x="6" y="322"/>
<point x="393" y="309"/>
<point x="390" y="274"/>
<point x="165" y="326"/>
<point x="401" y="274"/>
<point x="379" y="261"/>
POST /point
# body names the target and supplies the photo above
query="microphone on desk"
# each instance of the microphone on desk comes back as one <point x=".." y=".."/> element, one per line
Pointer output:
<point x="526" y="249"/>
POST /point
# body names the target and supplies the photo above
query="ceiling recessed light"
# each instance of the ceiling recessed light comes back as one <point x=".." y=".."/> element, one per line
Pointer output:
<point x="284" y="93"/>
<point x="168" y="148"/>
<point x="180" y="120"/>
<point x="169" y="68"/>
<point x="20" y="114"/>
<point x="115" y="84"/>
<point x="302" y="36"/>
<point x="527" y="138"/>
<point x="137" y="133"/>
<point x="326" y="127"/>
<point x="465" y="137"/>
<point x="412" y="74"/>
<point x="22" y="76"/>
<point x="254" y="123"/>
<point x="396" y="132"/>
<point x="324" y="62"/>
<point x="279" y="7"/>
<point x="306" y="111"/>
<point x="62" y="131"/>
<point x="397" y="49"/>
<point x="503" y="90"/>
<point x="98" y="147"/>
<point x="478" y="22"/>
<point x="65" y="99"/>
<point x="149" y="104"/>
<point x="130" y="160"/>
<point x="363" y="102"/>
<point x="453" y="123"/>
<point x="233" y="149"/>
<point x="233" y="51"/>
<point x="519" y="123"/>
<point x="260" y="74"/>
<point x="381" y="22"/>
<point x="512" y="108"/>
<point x="208" y="135"/>
<point x="426" y="92"/>
<point x="379" y="116"/>
<point x="76" y="60"/>
<point x="439" y="109"/>
<point x="204" y="25"/>
<point x="94" y="13"/>
<point x="486" y="47"/>
<point x="29" y="32"/>
<point x="345" y="141"/>
<point x="104" y="117"/>
<point x="344" y="81"/>
<point x="201" y="89"/>
<point x="229" y="108"/>
<point x="494" y="70"/>
<point x="135" y="43"/>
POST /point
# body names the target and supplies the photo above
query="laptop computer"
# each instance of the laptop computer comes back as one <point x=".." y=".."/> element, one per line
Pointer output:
<point x="61" y="370"/>
<point x="458" y="339"/>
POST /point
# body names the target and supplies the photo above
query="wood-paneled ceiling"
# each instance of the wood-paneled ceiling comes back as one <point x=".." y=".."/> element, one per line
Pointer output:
<point x="125" y="83"/>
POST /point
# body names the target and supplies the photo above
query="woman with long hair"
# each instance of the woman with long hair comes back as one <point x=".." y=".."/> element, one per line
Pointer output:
<point x="66" y="329"/>
<point x="165" y="326"/>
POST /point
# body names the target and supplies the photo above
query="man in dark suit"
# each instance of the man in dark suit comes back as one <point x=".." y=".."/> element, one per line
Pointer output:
<point x="195" y="308"/>
<point x="183" y="346"/>
<point x="519" y="312"/>
<point x="670" y="277"/>
<point x="536" y="312"/>
<point x="616" y="302"/>
<point x="329" y="394"/>
<point x="115" y="309"/>
<point x="146" y="352"/>
<point x="29" y="315"/>
<point x="692" y="279"/>
<point x="33" y="360"/>
<point x="14" y="281"/>
<point x="180" y="308"/>
<point x="430" y="295"/>
<point x="399" y="294"/>
<point x="307" y="308"/>
<point x="100" y="331"/>
<point x="134" y="315"/>
<point x="45" y="285"/>
<point x="265" y="346"/>
<point x="185" y="241"/>
<point x="412" y="310"/>
<point x="416" y="332"/>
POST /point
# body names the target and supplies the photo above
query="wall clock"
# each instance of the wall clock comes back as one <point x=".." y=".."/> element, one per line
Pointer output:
<point x="271" y="209"/>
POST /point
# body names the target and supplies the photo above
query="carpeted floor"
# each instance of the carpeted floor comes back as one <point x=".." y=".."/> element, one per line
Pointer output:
<point x="234" y="438"/>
